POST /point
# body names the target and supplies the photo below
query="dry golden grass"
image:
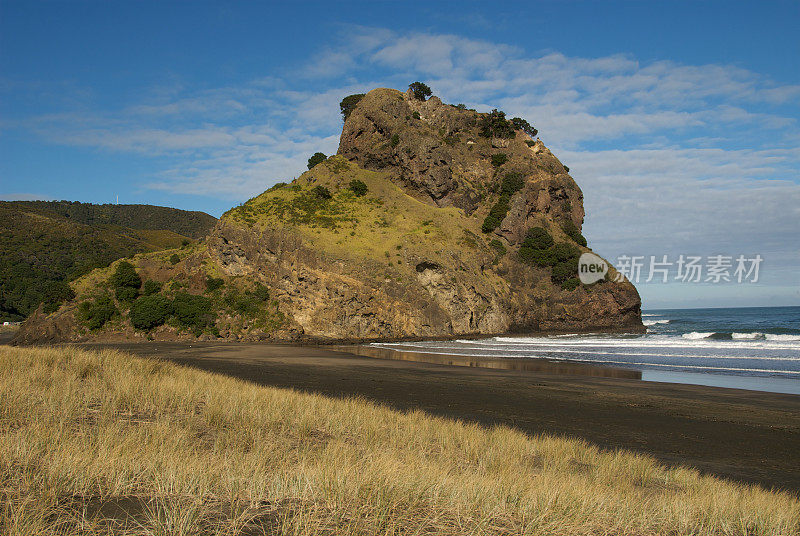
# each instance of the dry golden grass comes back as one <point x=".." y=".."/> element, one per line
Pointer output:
<point x="102" y="442"/>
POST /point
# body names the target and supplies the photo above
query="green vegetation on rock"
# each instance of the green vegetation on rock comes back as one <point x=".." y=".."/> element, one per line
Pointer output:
<point x="495" y="125"/>
<point x="539" y="249"/>
<point x="125" y="282"/>
<point x="496" y="214"/>
<point x="537" y="238"/>
<point x="150" y="311"/>
<point x="95" y="313"/>
<point x="511" y="184"/>
<point x="420" y="90"/>
<point x="349" y="103"/>
<point x="358" y="187"/>
<point x="571" y="230"/>
<point x="214" y="283"/>
<point x="316" y="158"/>
<point x="193" y="311"/>
<point x="321" y="192"/>
<point x="498" y="159"/>
<point x="249" y="302"/>
<point x="151" y="287"/>
<point x="523" y="125"/>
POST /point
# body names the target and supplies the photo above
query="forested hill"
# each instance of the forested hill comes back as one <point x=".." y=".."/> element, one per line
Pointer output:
<point x="193" y="224"/>
<point x="44" y="245"/>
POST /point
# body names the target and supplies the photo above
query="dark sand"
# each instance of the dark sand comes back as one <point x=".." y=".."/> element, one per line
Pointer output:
<point x="746" y="436"/>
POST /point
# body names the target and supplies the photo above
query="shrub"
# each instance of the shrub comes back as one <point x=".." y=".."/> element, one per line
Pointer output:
<point x="94" y="314"/>
<point x="174" y="258"/>
<point x="243" y="304"/>
<point x="193" y="311"/>
<point x="125" y="281"/>
<point x="572" y="231"/>
<point x="511" y="184"/>
<point x="539" y="249"/>
<point x="416" y="115"/>
<point x="495" y="125"/>
<point x="527" y="255"/>
<point x="496" y="215"/>
<point x="564" y="270"/>
<point x="126" y="294"/>
<point x="261" y="292"/>
<point x="571" y="284"/>
<point x="125" y="276"/>
<point x="499" y="159"/>
<point x="214" y="283"/>
<point x="249" y="302"/>
<point x="316" y="158"/>
<point x="498" y="247"/>
<point x="349" y="104"/>
<point x="530" y="143"/>
<point x="150" y="311"/>
<point x="537" y="238"/>
<point x="151" y="287"/>
<point x="500" y="209"/>
<point x="490" y="223"/>
<point x="566" y="169"/>
<point x="564" y="252"/>
<point x="421" y="91"/>
<point x="395" y="140"/>
<point x="544" y="257"/>
<point x="521" y="124"/>
<point x="461" y="106"/>
<point x="53" y="294"/>
<point x="358" y="187"/>
<point x="278" y="185"/>
<point x="321" y="192"/>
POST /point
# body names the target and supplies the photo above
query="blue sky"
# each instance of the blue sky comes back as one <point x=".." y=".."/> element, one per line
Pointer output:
<point x="679" y="120"/>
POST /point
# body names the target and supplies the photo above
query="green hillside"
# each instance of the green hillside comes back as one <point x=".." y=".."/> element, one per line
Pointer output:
<point x="44" y="245"/>
<point x="193" y="224"/>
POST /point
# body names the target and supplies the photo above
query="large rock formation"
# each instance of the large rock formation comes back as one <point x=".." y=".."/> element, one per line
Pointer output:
<point x="411" y="258"/>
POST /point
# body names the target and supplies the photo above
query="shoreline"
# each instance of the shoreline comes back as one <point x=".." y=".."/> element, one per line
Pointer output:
<point x="310" y="340"/>
<point x="746" y="436"/>
<point x="764" y="384"/>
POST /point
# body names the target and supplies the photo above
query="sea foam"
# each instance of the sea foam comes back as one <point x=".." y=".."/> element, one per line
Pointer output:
<point x="695" y="335"/>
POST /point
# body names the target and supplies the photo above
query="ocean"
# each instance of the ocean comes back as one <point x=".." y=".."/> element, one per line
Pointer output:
<point x="755" y="348"/>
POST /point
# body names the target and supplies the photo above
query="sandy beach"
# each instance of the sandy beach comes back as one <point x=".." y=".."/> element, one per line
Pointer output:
<point x="745" y="436"/>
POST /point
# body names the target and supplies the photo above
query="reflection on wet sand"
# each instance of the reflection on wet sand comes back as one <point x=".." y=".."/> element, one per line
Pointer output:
<point x="526" y="364"/>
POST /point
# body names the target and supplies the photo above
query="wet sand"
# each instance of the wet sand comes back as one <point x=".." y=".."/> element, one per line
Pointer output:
<point x="746" y="436"/>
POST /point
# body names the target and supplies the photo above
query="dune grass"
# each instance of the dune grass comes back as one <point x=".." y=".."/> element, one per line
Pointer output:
<point x="103" y="442"/>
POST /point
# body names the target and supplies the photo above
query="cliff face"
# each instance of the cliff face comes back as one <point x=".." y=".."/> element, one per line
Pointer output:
<point x="407" y="254"/>
<point x="438" y="154"/>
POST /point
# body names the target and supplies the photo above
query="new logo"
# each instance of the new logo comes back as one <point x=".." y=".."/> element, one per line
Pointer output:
<point x="591" y="268"/>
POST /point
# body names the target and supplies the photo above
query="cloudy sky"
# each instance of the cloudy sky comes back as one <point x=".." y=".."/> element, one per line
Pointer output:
<point x="679" y="120"/>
